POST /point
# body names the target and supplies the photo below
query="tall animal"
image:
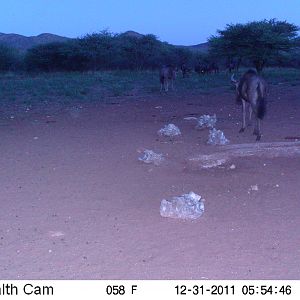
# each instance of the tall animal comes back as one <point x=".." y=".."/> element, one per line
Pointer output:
<point x="231" y="66"/>
<point x="167" y="74"/>
<point x="251" y="90"/>
<point x="207" y="68"/>
<point x="186" y="71"/>
<point x="201" y="69"/>
<point x="213" y="68"/>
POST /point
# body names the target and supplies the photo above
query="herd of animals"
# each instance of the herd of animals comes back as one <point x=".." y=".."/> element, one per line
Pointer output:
<point x="251" y="90"/>
<point x="168" y="73"/>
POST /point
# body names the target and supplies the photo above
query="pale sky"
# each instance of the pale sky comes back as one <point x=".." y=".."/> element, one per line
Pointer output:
<point x="179" y="22"/>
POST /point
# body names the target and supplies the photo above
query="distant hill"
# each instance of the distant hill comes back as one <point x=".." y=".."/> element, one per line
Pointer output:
<point x="131" y="33"/>
<point x="202" y="48"/>
<point x="195" y="48"/>
<point x="23" y="43"/>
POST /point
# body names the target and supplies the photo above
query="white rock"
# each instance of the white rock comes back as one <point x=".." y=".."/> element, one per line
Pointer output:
<point x="254" y="187"/>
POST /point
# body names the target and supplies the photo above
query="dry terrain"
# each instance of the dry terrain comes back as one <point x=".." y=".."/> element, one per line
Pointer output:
<point x="77" y="204"/>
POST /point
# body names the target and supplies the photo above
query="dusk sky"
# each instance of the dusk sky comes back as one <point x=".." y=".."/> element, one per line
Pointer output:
<point x="180" y="22"/>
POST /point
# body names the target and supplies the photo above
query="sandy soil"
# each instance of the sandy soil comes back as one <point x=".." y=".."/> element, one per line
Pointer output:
<point x="77" y="204"/>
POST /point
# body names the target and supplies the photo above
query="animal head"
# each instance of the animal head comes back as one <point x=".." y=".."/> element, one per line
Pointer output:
<point x="237" y="89"/>
<point x="235" y="82"/>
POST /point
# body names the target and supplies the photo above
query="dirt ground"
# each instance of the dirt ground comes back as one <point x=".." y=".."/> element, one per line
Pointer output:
<point x="77" y="204"/>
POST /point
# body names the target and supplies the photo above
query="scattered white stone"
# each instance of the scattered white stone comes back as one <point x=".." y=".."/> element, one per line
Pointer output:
<point x="206" y="121"/>
<point x="277" y="185"/>
<point x="232" y="167"/>
<point x="187" y="206"/>
<point x="150" y="156"/>
<point x="213" y="163"/>
<point x="190" y="118"/>
<point x="254" y="187"/>
<point x="36" y="137"/>
<point x="169" y="130"/>
<point x="56" y="233"/>
<point x="217" y="137"/>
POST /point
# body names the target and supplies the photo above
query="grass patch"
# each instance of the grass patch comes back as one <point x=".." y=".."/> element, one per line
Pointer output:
<point x="90" y="86"/>
<point x="282" y="75"/>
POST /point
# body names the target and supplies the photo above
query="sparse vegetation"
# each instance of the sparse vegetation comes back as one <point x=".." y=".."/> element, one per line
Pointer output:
<point x="100" y="85"/>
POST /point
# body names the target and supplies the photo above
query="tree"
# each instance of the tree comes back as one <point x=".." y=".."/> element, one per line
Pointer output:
<point x="140" y="52"/>
<point x="8" y="58"/>
<point x="257" y="41"/>
<point x="100" y="48"/>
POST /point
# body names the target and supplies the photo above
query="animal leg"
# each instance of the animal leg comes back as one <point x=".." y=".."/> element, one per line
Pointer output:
<point x="244" y="116"/>
<point x="258" y="133"/>
<point x="257" y="129"/>
<point x="250" y="115"/>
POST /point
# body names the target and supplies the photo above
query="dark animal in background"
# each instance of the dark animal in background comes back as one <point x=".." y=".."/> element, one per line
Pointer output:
<point x="167" y="74"/>
<point x="207" y="68"/>
<point x="197" y="69"/>
<point x="201" y="69"/>
<point x="231" y="67"/>
<point x="251" y="89"/>
<point x="186" y="71"/>
<point x="213" y="68"/>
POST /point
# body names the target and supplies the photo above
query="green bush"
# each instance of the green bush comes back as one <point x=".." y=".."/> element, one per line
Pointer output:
<point x="258" y="42"/>
<point x="103" y="51"/>
<point x="9" y="58"/>
<point x="52" y="57"/>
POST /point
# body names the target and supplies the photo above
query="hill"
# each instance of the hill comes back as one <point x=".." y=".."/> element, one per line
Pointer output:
<point x="23" y="43"/>
<point x="131" y="33"/>
<point x="203" y="47"/>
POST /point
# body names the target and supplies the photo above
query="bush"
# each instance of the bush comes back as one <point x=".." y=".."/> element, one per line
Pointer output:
<point x="9" y="58"/>
<point x="104" y="50"/>
<point x="51" y="57"/>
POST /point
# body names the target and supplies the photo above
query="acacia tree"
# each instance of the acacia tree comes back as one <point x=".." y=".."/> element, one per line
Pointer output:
<point x="257" y="41"/>
<point x="139" y="52"/>
<point x="99" y="48"/>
